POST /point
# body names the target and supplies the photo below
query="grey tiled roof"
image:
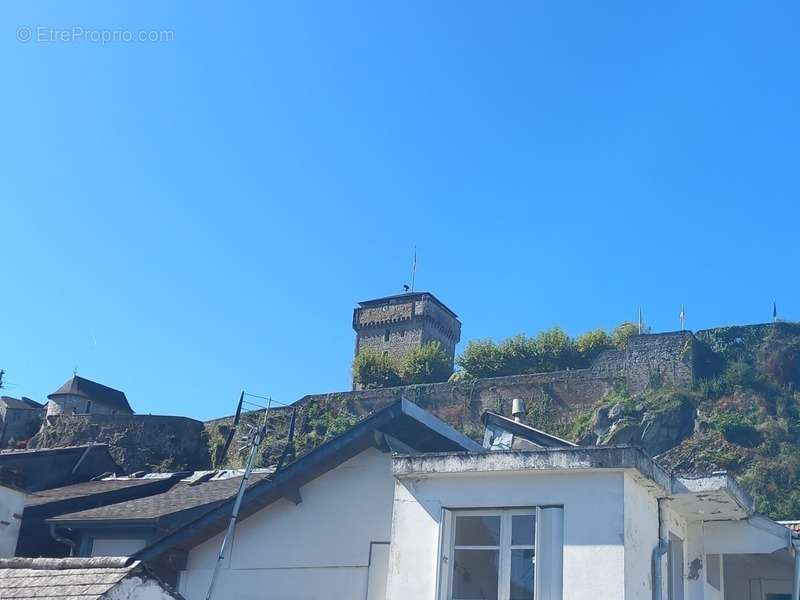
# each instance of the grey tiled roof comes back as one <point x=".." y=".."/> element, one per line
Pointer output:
<point x="65" y="578"/>
<point x="80" y="490"/>
<point x="181" y="497"/>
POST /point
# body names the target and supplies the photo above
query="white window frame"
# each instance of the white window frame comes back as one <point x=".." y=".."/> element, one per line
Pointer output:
<point x="504" y="549"/>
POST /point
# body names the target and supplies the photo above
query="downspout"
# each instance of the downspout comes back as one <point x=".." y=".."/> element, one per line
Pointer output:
<point x="658" y="552"/>
<point x="795" y="541"/>
<point x="62" y="540"/>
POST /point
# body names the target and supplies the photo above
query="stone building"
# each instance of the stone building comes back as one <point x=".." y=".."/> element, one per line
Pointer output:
<point x="83" y="396"/>
<point x="19" y="419"/>
<point x="395" y="325"/>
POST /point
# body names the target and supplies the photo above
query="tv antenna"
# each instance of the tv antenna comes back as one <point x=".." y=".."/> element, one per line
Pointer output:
<point x="251" y="441"/>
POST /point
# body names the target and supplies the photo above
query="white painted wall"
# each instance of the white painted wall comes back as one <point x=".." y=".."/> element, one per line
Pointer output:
<point x="593" y="558"/>
<point x="641" y="537"/>
<point x="319" y="549"/>
<point x="138" y="588"/>
<point x="12" y="502"/>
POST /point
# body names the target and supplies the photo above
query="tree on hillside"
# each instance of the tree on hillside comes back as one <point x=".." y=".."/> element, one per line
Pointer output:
<point x="623" y="332"/>
<point x="427" y="364"/>
<point x="592" y="343"/>
<point x="556" y="350"/>
<point x="519" y="354"/>
<point x="372" y="370"/>
<point x="481" y="358"/>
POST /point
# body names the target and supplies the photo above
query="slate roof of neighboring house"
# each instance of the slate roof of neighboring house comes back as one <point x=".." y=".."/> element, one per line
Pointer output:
<point x="44" y="468"/>
<point x="401" y="426"/>
<point x="21" y="404"/>
<point x="183" y="496"/>
<point x="91" y="390"/>
<point x="534" y="436"/>
<point x="88" y="488"/>
<point x="69" y="578"/>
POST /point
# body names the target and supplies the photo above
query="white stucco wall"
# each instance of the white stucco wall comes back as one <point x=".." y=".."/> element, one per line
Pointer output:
<point x="12" y="502"/>
<point x="641" y="537"/>
<point x="593" y="526"/>
<point x="318" y="549"/>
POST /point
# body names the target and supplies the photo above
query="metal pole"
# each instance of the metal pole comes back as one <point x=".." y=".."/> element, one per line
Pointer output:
<point x="228" y="539"/>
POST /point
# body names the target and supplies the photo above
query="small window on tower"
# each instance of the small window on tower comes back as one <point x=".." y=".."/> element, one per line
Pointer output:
<point x="386" y="336"/>
<point x="402" y="333"/>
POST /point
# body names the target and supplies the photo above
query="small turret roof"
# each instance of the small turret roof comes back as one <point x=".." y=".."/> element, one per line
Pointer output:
<point x="91" y="390"/>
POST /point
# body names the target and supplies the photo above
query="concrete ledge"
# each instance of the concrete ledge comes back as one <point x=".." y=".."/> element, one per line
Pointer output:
<point x="549" y="459"/>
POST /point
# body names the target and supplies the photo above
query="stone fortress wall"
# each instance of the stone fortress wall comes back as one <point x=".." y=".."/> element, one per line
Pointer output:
<point x="669" y="358"/>
<point x="137" y="442"/>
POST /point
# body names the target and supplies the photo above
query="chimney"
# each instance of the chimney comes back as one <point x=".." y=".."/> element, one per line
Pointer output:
<point x="518" y="410"/>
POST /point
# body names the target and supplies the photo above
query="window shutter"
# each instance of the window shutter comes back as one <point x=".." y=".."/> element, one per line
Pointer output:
<point x="444" y="566"/>
<point x="549" y="553"/>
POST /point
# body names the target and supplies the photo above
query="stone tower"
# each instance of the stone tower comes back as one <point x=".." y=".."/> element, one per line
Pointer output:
<point x="395" y="325"/>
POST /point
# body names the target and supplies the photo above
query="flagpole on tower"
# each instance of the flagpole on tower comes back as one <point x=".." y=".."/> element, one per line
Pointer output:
<point x="682" y="317"/>
<point x="640" y="320"/>
<point x="414" y="269"/>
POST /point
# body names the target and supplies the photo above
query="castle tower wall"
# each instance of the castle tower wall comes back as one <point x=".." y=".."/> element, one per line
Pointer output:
<point x="396" y="325"/>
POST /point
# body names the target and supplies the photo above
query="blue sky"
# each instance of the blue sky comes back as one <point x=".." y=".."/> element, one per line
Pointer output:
<point x="187" y="218"/>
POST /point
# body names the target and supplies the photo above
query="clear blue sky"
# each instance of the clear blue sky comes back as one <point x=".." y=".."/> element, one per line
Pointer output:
<point x="186" y="218"/>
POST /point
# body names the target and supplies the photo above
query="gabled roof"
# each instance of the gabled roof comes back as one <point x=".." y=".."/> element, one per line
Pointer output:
<point x="23" y="404"/>
<point x="91" y="390"/>
<point x="72" y="578"/>
<point x="539" y="438"/>
<point x="401" y="425"/>
<point x="44" y="468"/>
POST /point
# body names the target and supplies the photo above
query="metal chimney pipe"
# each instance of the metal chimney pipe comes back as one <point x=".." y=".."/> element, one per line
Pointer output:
<point x="518" y="410"/>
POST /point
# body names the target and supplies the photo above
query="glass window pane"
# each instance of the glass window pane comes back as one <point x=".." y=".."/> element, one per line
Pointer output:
<point x="478" y="530"/>
<point x="475" y="574"/>
<point x="521" y="575"/>
<point x="522" y="530"/>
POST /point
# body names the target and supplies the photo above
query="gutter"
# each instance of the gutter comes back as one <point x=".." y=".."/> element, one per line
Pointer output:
<point x="795" y="545"/>
<point x="656" y="558"/>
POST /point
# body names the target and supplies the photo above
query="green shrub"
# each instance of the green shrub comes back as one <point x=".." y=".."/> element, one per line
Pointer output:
<point x="372" y="370"/>
<point x="427" y="364"/>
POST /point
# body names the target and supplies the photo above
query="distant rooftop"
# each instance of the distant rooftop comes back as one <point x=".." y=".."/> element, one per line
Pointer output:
<point x="91" y="390"/>
<point x="23" y="404"/>
<point x="405" y="297"/>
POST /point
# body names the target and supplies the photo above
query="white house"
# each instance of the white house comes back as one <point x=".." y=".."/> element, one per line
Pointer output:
<point x="402" y="507"/>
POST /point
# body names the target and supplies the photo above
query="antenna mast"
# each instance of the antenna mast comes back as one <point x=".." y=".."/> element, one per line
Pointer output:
<point x="253" y="439"/>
